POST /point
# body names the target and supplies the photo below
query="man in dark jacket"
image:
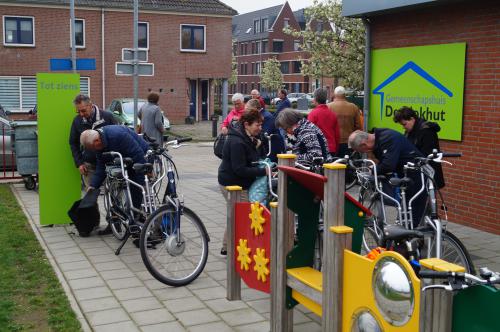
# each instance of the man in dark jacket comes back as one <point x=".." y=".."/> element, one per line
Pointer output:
<point x="118" y="139"/>
<point x="393" y="151"/>
<point x="283" y="103"/>
<point x="89" y="117"/>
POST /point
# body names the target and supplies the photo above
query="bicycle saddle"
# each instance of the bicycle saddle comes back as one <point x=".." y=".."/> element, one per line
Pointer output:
<point x="397" y="233"/>
<point x="143" y="168"/>
<point x="397" y="182"/>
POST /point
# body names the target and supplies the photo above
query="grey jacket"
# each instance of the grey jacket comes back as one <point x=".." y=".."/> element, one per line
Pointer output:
<point x="152" y="121"/>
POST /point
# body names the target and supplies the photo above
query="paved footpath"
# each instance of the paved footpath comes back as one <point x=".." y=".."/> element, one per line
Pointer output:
<point x="117" y="293"/>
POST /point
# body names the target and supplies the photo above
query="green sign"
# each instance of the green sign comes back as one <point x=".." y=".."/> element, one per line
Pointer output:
<point x="429" y="79"/>
<point x="59" y="178"/>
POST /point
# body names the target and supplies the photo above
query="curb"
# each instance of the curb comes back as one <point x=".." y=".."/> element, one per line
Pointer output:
<point x="72" y="300"/>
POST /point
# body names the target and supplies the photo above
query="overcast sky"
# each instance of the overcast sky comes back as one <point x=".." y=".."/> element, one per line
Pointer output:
<point x="245" y="6"/>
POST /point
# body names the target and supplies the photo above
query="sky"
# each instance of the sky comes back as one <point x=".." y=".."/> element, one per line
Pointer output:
<point x="245" y="6"/>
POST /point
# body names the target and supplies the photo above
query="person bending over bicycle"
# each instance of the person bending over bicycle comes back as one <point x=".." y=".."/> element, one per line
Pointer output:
<point x="118" y="139"/>
<point x="304" y="138"/>
<point x="393" y="151"/>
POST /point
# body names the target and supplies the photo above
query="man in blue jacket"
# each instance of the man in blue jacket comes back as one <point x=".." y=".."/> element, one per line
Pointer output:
<point x="393" y="151"/>
<point x="118" y="139"/>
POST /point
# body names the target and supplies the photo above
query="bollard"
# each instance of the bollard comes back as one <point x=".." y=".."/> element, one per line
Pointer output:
<point x="336" y="238"/>
<point x="233" y="289"/>
<point x="215" y="120"/>
<point x="281" y="317"/>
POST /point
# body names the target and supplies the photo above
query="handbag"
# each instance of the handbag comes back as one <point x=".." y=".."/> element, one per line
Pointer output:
<point x="259" y="190"/>
<point x="219" y="145"/>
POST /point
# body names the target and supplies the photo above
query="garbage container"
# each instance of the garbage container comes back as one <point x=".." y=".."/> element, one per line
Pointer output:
<point x="25" y="144"/>
<point x="302" y="104"/>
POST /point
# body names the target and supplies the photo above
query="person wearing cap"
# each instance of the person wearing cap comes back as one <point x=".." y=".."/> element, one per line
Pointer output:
<point x="348" y="117"/>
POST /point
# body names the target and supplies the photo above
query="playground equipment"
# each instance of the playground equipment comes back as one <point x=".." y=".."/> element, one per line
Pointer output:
<point x="352" y="292"/>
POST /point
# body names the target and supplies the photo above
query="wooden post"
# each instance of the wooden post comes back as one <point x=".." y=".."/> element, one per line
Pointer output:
<point x="233" y="289"/>
<point x="281" y="317"/>
<point x="336" y="238"/>
<point x="436" y="309"/>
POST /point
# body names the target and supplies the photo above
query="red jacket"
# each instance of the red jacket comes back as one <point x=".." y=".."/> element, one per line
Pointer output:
<point x="234" y="113"/>
<point x="326" y="120"/>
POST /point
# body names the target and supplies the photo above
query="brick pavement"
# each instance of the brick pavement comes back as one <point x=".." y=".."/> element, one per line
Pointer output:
<point x="117" y="293"/>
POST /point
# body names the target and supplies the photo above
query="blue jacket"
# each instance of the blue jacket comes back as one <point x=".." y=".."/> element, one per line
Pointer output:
<point x="285" y="103"/>
<point x="393" y="150"/>
<point x="118" y="139"/>
<point x="268" y="126"/>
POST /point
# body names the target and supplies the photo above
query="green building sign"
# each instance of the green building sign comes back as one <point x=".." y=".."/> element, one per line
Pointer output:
<point x="429" y="79"/>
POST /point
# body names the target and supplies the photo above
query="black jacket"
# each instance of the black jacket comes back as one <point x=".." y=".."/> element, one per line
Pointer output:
<point x="393" y="151"/>
<point x="424" y="137"/>
<point x="238" y="154"/>
<point x="78" y="126"/>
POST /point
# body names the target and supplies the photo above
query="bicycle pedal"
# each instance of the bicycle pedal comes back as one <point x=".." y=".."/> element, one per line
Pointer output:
<point x="134" y="229"/>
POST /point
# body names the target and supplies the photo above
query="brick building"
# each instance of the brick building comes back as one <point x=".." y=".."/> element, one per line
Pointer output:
<point x="471" y="190"/>
<point x="188" y="44"/>
<point x="259" y="36"/>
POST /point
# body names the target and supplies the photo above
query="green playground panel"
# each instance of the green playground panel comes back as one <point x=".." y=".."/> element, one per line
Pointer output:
<point x="476" y="309"/>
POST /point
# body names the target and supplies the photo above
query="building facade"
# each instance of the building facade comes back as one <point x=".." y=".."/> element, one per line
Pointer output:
<point x="471" y="191"/>
<point x="186" y="45"/>
<point x="257" y="37"/>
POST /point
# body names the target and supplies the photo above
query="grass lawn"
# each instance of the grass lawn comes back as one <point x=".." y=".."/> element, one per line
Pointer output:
<point x="31" y="298"/>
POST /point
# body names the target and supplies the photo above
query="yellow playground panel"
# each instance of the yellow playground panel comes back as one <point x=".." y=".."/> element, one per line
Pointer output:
<point x="381" y="294"/>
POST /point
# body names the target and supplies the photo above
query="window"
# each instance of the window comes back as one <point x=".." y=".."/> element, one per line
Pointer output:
<point x="256" y="26"/>
<point x="143" y="35"/>
<point x="319" y="26"/>
<point x="285" y="69"/>
<point x="297" y="66"/>
<point x="253" y="48"/>
<point x="264" y="24"/>
<point x="18" y="93"/>
<point x="18" y="31"/>
<point x="264" y="46"/>
<point x="286" y="23"/>
<point x="79" y="33"/>
<point x="257" y="68"/>
<point x="296" y="45"/>
<point x="257" y="47"/>
<point x="241" y="49"/>
<point x="277" y="46"/>
<point x="193" y="38"/>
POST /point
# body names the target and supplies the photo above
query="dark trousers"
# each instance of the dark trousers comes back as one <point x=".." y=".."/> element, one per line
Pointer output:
<point x="135" y="191"/>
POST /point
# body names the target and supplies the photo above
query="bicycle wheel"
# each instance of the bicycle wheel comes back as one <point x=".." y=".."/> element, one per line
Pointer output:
<point x="350" y="177"/>
<point x="174" y="255"/>
<point x="372" y="231"/>
<point x="119" y="210"/>
<point x="452" y="250"/>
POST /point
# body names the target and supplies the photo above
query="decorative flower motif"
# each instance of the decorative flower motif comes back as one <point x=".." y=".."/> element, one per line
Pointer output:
<point x="243" y="256"/>
<point x="257" y="219"/>
<point x="261" y="264"/>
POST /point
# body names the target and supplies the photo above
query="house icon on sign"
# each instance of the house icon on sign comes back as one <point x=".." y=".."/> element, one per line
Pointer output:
<point x="410" y="65"/>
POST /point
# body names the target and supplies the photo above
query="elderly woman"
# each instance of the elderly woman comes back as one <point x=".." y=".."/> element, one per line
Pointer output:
<point x="241" y="150"/>
<point x="239" y="107"/>
<point x="305" y="139"/>
<point x="423" y="135"/>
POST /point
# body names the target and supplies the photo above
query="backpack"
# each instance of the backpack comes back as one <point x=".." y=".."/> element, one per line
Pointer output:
<point x="85" y="213"/>
<point x="219" y="145"/>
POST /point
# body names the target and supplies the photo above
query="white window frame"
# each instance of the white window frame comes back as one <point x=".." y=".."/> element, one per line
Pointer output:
<point x="204" y="38"/>
<point x="147" y="34"/>
<point x="286" y="23"/>
<point x="296" y="43"/>
<point x="256" y="26"/>
<point x="128" y="63"/>
<point x="132" y="50"/>
<point x="18" y="45"/>
<point x="71" y="33"/>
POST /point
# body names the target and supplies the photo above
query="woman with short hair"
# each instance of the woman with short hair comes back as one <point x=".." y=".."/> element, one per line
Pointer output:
<point x="303" y="137"/>
<point x="423" y="134"/>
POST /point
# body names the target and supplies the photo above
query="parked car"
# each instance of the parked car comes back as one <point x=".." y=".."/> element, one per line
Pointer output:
<point x="123" y="111"/>
<point x="293" y="97"/>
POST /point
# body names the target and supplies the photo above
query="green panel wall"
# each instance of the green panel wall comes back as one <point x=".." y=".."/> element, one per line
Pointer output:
<point x="59" y="179"/>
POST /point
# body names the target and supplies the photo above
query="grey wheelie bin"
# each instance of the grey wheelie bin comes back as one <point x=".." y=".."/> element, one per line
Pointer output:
<point x="25" y="144"/>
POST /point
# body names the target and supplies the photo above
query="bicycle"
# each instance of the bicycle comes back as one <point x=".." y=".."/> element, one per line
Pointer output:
<point x="430" y="239"/>
<point x="172" y="256"/>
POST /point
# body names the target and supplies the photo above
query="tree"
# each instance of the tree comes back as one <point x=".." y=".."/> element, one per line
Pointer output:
<point x="338" y="50"/>
<point x="271" y="77"/>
